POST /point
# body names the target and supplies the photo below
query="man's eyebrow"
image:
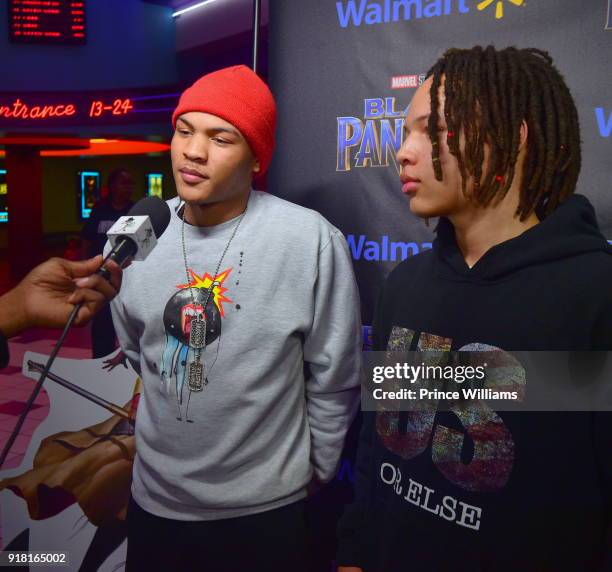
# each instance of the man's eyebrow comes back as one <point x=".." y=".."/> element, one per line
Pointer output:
<point x="218" y="129"/>
<point x="225" y="130"/>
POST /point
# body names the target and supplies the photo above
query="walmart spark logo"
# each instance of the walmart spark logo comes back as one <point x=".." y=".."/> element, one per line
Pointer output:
<point x="499" y="6"/>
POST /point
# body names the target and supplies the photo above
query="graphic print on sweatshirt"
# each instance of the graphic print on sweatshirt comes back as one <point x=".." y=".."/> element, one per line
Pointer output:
<point x="409" y="434"/>
<point x="183" y="307"/>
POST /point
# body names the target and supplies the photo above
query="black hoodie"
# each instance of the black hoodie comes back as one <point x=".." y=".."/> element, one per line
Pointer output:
<point x="491" y="491"/>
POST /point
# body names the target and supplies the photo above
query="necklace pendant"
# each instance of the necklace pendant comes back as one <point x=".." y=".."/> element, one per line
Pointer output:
<point x="197" y="336"/>
<point x="196" y="376"/>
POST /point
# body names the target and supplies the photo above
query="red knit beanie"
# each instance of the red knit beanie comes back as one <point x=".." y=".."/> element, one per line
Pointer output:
<point x="239" y="96"/>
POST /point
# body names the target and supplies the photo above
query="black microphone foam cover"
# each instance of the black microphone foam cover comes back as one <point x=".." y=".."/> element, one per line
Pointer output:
<point x="156" y="209"/>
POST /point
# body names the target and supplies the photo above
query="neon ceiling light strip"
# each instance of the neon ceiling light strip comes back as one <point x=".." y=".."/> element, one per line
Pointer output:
<point x="159" y="96"/>
<point x="190" y="8"/>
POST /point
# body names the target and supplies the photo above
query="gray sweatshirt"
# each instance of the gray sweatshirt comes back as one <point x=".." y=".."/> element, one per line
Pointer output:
<point x="282" y="361"/>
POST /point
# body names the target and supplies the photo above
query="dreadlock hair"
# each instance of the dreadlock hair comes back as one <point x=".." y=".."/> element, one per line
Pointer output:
<point x="488" y="95"/>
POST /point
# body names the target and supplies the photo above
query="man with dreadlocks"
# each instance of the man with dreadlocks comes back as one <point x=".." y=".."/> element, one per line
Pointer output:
<point x="492" y="147"/>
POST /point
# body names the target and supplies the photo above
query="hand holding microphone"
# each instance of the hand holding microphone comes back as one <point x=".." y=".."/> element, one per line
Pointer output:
<point x="47" y="295"/>
<point x="59" y="292"/>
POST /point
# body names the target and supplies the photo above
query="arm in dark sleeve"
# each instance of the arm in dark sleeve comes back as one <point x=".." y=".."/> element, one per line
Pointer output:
<point x="89" y="234"/>
<point x="353" y="531"/>
<point x="90" y="228"/>
<point x="353" y="526"/>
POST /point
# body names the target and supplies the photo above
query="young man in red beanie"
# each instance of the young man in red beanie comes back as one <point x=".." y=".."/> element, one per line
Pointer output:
<point x="243" y="324"/>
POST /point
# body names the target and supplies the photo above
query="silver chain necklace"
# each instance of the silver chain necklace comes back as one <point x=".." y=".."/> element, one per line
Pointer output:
<point x="197" y="336"/>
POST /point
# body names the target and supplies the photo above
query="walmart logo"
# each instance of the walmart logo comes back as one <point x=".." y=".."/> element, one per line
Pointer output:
<point x="370" y="12"/>
<point x="384" y="249"/>
<point x="499" y="6"/>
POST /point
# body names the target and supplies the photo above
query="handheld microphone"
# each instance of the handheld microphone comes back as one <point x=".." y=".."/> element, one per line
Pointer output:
<point x="135" y="235"/>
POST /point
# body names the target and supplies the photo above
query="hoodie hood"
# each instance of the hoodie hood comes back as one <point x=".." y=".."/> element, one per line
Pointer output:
<point x="568" y="231"/>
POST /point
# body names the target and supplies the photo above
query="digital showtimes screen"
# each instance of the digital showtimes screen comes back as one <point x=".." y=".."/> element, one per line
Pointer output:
<point x="47" y="21"/>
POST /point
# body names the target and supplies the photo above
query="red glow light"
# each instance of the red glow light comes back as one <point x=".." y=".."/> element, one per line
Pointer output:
<point x="102" y="147"/>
